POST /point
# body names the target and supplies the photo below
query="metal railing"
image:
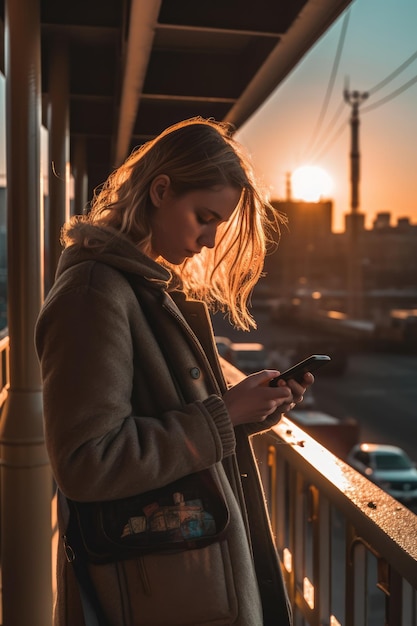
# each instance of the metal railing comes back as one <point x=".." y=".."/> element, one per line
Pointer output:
<point x="349" y="550"/>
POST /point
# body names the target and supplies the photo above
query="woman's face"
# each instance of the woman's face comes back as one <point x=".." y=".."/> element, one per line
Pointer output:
<point x="183" y="225"/>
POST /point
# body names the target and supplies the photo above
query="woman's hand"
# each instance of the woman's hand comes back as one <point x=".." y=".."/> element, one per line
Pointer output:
<point x="252" y="400"/>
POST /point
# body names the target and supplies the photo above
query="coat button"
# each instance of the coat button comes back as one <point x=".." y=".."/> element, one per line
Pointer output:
<point x="195" y="372"/>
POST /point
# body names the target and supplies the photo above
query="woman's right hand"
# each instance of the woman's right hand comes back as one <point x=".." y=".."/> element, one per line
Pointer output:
<point x="252" y="400"/>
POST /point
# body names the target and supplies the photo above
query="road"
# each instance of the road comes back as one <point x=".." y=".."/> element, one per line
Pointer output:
<point x="380" y="392"/>
<point x="378" y="389"/>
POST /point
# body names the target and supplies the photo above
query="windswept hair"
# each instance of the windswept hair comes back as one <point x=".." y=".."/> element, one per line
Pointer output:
<point x="195" y="154"/>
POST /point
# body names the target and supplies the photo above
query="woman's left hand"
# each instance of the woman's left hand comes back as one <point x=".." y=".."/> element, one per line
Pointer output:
<point x="297" y="389"/>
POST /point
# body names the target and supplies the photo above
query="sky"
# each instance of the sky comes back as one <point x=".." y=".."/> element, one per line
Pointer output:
<point x="306" y="121"/>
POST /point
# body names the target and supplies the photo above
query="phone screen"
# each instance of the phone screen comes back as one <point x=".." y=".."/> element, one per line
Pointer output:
<point x="310" y="364"/>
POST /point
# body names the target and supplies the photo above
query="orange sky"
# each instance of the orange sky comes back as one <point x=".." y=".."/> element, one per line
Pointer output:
<point x="300" y="124"/>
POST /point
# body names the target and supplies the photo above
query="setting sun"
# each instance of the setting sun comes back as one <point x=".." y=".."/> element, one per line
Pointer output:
<point x="310" y="183"/>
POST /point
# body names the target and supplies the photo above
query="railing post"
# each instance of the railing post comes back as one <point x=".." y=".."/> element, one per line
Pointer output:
<point x="25" y="474"/>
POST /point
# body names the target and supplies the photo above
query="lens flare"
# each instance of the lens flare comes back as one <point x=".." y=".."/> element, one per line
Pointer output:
<point x="311" y="183"/>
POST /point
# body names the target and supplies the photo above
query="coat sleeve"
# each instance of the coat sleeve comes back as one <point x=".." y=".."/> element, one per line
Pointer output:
<point x="98" y="448"/>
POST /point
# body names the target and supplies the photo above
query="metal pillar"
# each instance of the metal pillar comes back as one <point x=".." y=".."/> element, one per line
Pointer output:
<point x="58" y="127"/>
<point x="25" y="473"/>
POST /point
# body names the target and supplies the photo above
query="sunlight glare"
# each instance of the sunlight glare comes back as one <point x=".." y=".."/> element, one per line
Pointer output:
<point x="310" y="183"/>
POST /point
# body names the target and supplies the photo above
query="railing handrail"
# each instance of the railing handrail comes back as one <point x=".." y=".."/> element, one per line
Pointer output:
<point x="349" y="549"/>
<point x="383" y="522"/>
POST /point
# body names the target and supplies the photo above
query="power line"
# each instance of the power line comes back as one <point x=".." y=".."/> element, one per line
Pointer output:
<point x="330" y="142"/>
<point x="390" y="96"/>
<point x="393" y="74"/>
<point x="329" y="128"/>
<point x="380" y="102"/>
<point x="331" y="83"/>
<point x="370" y="107"/>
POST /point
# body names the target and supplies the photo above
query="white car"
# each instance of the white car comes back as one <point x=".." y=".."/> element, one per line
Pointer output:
<point x="387" y="466"/>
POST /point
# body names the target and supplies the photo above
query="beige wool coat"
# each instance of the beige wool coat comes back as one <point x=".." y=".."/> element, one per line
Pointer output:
<point x="133" y="401"/>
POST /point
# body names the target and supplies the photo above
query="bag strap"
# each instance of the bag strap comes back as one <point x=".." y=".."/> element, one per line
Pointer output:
<point x="93" y="613"/>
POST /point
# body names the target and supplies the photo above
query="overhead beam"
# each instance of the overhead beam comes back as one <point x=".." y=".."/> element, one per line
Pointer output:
<point x="313" y="21"/>
<point x="143" y="19"/>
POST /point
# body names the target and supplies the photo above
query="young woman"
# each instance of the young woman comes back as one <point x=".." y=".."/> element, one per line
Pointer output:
<point x="134" y="396"/>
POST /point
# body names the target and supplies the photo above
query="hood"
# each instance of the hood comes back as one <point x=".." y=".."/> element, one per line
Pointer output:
<point x="404" y="475"/>
<point x="107" y="245"/>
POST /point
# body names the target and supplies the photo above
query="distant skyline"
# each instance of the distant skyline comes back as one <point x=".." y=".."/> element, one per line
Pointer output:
<point x="301" y="120"/>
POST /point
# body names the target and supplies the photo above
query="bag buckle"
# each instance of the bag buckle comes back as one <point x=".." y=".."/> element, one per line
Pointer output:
<point x="69" y="551"/>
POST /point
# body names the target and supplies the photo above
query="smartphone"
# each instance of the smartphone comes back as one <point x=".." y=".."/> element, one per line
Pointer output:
<point x="296" y="372"/>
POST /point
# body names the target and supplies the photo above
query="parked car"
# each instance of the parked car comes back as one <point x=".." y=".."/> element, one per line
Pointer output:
<point x="387" y="466"/>
<point x="224" y="348"/>
<point x="250" y="357"/>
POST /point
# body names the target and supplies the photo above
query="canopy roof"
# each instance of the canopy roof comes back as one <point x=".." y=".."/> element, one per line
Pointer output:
<point x="138" y="66"/>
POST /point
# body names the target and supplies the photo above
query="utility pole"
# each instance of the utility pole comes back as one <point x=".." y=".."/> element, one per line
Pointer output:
<point x="355" y="219"/>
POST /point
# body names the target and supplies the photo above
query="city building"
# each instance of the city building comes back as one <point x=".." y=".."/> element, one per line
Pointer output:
<point x="311" y="263"/>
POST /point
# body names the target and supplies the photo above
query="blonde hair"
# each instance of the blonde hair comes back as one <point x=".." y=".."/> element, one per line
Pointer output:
<point x="195" y="154"/>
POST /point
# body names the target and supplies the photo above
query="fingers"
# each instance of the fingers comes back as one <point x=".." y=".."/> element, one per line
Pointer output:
<point x="308" y="379"/>
<point x="252" y="399"/>
<point x="262" y="378"/>
<point x="298" y="390"/>
<point x="275" y="396"/>
<point x="278" y="398"/>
